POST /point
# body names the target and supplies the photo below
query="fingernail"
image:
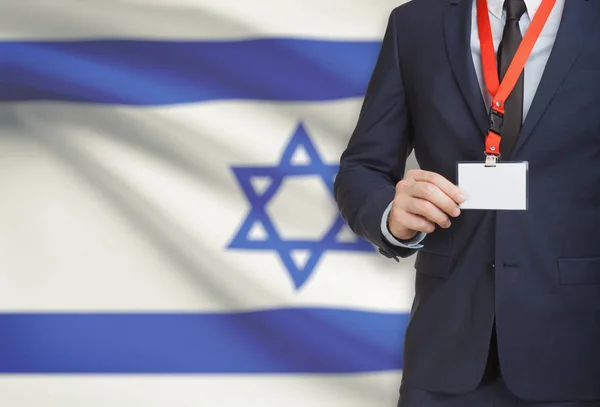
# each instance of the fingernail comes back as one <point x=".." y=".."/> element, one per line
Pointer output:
<point x="461" y="198"/>
<point x="456" y="212"/>
<point x="447" y="225"/>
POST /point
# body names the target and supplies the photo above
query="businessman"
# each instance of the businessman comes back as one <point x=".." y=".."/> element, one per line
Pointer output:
<point x="507" y="302"/>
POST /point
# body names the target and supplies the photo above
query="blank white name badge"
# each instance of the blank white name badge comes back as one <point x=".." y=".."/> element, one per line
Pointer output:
<point x="501" y="187"/>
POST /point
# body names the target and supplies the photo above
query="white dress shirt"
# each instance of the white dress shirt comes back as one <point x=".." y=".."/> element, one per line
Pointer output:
<point x="534" y="68"/>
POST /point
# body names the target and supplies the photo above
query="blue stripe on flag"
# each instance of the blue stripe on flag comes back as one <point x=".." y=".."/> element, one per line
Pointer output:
<point x="166" y="72"/>
<point x="305" y="340"/>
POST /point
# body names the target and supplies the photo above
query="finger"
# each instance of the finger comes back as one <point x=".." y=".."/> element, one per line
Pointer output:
<point x="436" y="196"/>
<point x="442" y="183"/>
<point x="415" y="222"/>
<point x="429" y="211"/>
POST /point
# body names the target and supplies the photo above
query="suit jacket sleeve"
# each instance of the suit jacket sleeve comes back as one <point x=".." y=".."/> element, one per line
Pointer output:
<point x="375" y="158"/>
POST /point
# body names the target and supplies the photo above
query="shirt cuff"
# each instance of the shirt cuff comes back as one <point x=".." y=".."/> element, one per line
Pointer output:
<point x="413" y="243"/>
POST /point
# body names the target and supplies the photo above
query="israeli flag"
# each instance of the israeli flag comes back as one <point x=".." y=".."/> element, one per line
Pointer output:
<point x="168" y="232"/>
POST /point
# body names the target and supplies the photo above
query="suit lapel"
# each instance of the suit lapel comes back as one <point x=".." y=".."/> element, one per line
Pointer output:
<point x="457" y="34"/>
<point x="577" y="20"/>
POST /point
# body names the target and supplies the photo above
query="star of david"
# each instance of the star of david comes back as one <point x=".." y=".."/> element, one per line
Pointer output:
<point x="334" y="239"/>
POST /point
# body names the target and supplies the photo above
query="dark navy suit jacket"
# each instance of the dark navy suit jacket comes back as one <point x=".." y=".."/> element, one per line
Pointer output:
<point x="545" y="289"/>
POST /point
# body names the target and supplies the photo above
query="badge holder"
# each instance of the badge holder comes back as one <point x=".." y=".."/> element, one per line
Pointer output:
<point x="503" y="186"/>
<point x="494" y="185"/>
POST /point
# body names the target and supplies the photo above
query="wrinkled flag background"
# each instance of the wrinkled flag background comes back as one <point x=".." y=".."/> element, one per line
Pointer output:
<point x="168" y="235"/>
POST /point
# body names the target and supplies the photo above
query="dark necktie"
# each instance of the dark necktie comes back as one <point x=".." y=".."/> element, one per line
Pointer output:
<point x="513" y="107"/>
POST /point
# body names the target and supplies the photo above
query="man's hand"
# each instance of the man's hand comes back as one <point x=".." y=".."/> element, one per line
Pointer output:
<point x="423" y="200"/>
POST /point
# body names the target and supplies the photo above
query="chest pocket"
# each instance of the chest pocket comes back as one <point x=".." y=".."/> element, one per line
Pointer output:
<point x="584" y="76"/>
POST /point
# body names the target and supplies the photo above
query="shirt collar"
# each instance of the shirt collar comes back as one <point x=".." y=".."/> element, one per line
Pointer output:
<point x="496" y="7"/>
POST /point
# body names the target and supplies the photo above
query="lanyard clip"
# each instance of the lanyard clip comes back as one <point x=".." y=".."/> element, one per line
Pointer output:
<point x="492" y="141"/>
<point x="496" y="121"/>
<point x="491" y="160"/>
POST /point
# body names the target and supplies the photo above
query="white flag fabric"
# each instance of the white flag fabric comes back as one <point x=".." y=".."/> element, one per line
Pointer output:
<point x="169" y="235"/>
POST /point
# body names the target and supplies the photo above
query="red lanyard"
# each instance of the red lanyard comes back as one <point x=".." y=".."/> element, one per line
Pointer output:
<point x="501" y="91"/>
